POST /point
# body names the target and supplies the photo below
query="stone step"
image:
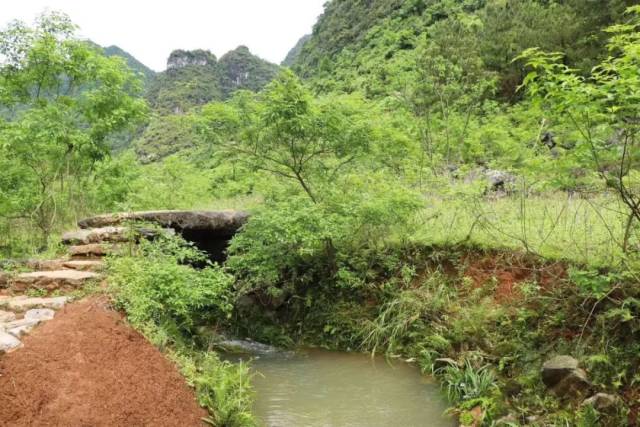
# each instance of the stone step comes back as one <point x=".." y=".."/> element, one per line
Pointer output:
<point x="52" y="280"/>
<point x="19" y="328"/>
<point x="45" y="264"/>
<point x="24" y="303"/>
<point x="84" y="265"/>
<point x="92" y="251"/>
<point x="64" y="264"/>
<point x="7" y="316"/>
<point x="8" y="342"/>
<point x="96" y="235"/>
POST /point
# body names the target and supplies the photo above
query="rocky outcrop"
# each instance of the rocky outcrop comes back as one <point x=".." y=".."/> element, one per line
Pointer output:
<point x="7" y="316"/>
<point x="562" y="375"/>
<point x="223" y="223"/>
<point x="185" y="58"/>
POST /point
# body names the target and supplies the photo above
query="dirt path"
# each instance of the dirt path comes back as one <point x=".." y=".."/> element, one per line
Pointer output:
<point x="86" y="367"/>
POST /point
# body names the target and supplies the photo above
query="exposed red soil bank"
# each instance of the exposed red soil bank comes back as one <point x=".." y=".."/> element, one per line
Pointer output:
<point x="86" y="367"/>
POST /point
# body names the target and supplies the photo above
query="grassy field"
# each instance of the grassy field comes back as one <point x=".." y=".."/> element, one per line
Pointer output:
<point x="583" y="230"/>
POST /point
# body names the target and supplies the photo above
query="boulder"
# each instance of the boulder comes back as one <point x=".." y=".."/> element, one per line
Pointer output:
<point x="8" y="342"/>
<point x="39" y="314"/>
<point x="96" y="235"/>
<point x="556" y="369"/>
<point x="24" y="303"/>
<point x="575" y="384"/>
<point x="563" y="376"/>
<point x="602" y="401"/>
<point x="499" y="180"/>
<point x="224" y="223"/>
<point x="52" y="280"/>
<point x="6" y="316"/>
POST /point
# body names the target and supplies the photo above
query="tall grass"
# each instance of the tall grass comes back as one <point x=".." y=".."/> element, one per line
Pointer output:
<point x="556" y="226"/>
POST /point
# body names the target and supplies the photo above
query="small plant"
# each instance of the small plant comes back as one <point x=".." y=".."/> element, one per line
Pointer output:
<point x="224" y="388"/>
<point x="467" y="382"/>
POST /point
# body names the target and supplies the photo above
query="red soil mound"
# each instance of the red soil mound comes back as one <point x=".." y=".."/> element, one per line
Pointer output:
<point x="86" y="367"/>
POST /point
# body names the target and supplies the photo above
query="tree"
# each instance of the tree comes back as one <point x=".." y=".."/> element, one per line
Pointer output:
<point x="60" y="99"/>
<point x="448" y="79"/>
<point x="284" y="131"/>
<point x="604" y="107"/>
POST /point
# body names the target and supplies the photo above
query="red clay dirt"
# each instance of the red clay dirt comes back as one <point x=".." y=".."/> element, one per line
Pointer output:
<point x="509" y="274"/>
<point x="86" y="367"/>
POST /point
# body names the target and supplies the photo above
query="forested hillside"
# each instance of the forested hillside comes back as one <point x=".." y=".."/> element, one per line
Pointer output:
<point x="373" y="46"/>
<point x="193" y="79"/>
<point x="137" y="66"/>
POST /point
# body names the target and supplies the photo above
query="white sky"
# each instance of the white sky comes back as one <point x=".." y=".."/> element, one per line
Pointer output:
<point x="150" y="30"/>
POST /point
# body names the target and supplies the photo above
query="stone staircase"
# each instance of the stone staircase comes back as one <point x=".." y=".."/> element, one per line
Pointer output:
<point x="97" y="237"/>
<point x="20" y="312"/>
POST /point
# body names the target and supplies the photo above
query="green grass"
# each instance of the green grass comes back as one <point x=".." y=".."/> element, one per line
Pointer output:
<point x="556" y="226"/>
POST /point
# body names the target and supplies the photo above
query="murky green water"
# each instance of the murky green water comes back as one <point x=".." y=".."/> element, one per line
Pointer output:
<point x="333" y="389"/>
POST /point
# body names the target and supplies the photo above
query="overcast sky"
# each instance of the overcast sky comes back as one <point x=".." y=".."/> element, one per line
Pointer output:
<point x="150" y="30"/>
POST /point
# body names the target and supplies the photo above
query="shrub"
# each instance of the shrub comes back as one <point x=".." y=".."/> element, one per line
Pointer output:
<point x="155" y="287"/>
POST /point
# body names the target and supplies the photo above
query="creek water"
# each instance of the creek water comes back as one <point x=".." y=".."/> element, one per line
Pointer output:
<point x="316" y="388"/>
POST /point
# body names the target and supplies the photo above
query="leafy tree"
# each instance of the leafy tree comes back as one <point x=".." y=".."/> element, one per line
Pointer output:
<point x="60" y="99"/>
<point x="603" y="107"/>
<point x="449" y="78"/>
<point x="289" y="134"/>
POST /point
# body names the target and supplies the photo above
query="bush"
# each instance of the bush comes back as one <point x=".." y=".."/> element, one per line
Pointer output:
<point x="155" y="287"/>
<point x="293" y="243"/>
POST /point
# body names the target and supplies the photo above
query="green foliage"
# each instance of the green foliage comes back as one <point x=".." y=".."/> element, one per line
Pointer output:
<point x="468" y="382"/>
<point x="60" y="100"/>
<point x="602" y="107"/>
<point x="295" y="243"/>
<point x="155" y="287"/>
<point x="408" y="315"/>
<point x="165" y="135"/>
<point x="224" y="388"/>
<point x="367" y="45"/>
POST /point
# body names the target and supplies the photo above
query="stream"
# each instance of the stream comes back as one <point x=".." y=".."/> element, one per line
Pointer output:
<point x="317" y="388"/>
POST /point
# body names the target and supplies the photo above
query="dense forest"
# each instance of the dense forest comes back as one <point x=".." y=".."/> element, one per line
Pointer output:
<point x="452" y="182"/>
